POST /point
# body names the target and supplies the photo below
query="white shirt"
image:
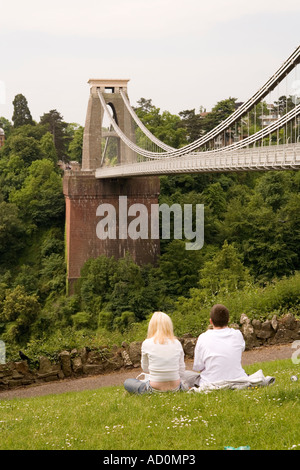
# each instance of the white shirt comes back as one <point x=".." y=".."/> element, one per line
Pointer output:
<point x="164" y="362"/>
<point x="218" y="355"/>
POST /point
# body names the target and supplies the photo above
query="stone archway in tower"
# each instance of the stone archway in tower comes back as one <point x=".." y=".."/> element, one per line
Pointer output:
<point x="92" y="156"/>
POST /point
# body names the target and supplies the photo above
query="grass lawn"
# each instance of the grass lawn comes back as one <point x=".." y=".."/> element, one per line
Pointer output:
<point x="111" y="419"/>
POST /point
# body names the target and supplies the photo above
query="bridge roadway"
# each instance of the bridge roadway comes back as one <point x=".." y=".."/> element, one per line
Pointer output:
<point x="269" y="157"/>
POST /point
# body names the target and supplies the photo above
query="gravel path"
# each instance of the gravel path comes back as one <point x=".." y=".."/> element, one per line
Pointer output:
<point x="262" y="354"/>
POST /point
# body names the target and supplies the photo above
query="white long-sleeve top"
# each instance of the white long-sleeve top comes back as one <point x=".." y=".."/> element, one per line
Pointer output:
<point x="163" y="362"/>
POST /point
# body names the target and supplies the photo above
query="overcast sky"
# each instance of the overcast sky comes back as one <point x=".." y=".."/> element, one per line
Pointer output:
<point x="181" y="54"/>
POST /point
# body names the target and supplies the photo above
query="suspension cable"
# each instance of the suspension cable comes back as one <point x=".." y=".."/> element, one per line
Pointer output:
<point x="141" y="125"/>
<point x="184" y="151"/>
<point x="281" y="73"/>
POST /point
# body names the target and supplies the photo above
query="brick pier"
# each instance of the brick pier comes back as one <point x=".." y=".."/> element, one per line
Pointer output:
<point x="83" y="194"/>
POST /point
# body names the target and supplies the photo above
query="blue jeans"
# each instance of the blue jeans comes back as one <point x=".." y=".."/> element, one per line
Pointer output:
<point x="138" y="387"/>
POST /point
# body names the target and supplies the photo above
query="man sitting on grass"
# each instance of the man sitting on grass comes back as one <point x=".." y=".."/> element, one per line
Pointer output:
<point x="218" y="351"/>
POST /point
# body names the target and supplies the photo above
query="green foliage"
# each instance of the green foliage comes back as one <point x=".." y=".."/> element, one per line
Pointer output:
<point x="165" y="126"/>
<point x="124" y="320"/>
<point x="28" y="278"/>
<point x="215" y="198"/>
<point x="81" y="320"/>
<point x="12" y="231"/>
<point x="40" y="199"/>
<point x="180" y="268"/>
<point x="191" y="314"/>
<point x="53" y="120"/>
<point x="21" y="114"/>
<point x="75" y="146"/>
<point x="13" y="173"/>
<point x="259" y="234"/>
<point x="224" y="272"/>
<point x="26" y="147"/>
<point x="250" y="260"/>
<point x="53" y="274"/>
<point x="55" y="319"/>
<point x="118" y="292"/>
<point x="48" y="147"/>
<point x="219" y="113"/>
<point x="192" y="123"/>
<point x="274" y="187"/>
<point x="19" y="310"/>
<point x="6" y="125"/>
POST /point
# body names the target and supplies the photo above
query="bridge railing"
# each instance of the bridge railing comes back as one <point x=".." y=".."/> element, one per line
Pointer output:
<point x="256" y="158"/>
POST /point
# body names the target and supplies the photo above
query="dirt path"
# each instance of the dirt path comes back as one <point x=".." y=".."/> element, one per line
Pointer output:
<point x="262" y="354"/>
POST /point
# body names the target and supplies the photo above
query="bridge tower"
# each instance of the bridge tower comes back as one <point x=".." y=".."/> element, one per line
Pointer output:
<point x="93" y="132"/>
<point x="84" y="193"/>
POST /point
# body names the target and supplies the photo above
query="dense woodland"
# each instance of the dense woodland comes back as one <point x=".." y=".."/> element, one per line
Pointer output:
<point x="250" y="259"/>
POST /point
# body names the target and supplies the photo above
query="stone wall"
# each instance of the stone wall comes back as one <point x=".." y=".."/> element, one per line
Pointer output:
<point x="70" y="364"/>
<point x="84" y="362"/>
<point x="276" y="331"/>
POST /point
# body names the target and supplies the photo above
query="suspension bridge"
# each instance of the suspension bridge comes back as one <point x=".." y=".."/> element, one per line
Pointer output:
<point x="236" y="144"/>
<point x="263" y="133"/>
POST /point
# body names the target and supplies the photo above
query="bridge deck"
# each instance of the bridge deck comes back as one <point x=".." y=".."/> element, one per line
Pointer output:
<point x="277" y="157"/>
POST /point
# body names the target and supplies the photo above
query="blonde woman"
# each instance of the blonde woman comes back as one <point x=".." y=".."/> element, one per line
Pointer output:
<point x="162" y="359"/>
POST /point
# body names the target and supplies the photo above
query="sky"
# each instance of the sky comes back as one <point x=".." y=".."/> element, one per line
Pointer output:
<point x="180" y="54"/>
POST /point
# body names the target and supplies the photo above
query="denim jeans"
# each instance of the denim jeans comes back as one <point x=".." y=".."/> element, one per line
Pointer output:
<point x="138" y="387"/>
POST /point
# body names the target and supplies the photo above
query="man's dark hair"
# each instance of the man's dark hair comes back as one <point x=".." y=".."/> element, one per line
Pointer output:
<point x="219" y="315"/>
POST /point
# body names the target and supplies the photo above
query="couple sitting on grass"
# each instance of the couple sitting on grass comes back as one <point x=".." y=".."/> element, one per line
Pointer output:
<point x="217" y="358"/>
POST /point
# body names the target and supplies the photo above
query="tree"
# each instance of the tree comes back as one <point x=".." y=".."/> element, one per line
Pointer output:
<point x="25" y="142"/>
<point x="289" y="227"/>
<point x="48" y="147"/>
<point x="165" y="126"/>
<point x="180" y="268"/>
<point x="27" y="277"/>
<point x="27" y="148"/>
<point x="274" y="186"/>
<point x="75" y="146"/>
<point x="170" y="130"/>
<point x="193" y="124"/>
<point x="127" y="285"/>
<point x="261" y="236"/>
<point x="12" y="174"/>
<point x="21" y="114"/>
<point x="53" y="274"/>
<point x="6" y="125"/>
<point x="19" y="311"/>
<point x="215" y="198"/>
<point x="284" y="105"/>
<point x="40" y="199"/>
<point x="12" y="231"/>
<point x="145" y="106"/>
<point x="115" y="292"/>
<point x="224" y="272"/>
<point x="222" y="110"/>
<point x="57" y="127"/>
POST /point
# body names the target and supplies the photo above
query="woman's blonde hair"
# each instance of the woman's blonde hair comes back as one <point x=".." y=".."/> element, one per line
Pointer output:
<point x="160" y="328"/>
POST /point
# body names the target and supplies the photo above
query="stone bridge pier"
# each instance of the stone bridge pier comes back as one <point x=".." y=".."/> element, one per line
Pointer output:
<point x="84" y="194"/>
